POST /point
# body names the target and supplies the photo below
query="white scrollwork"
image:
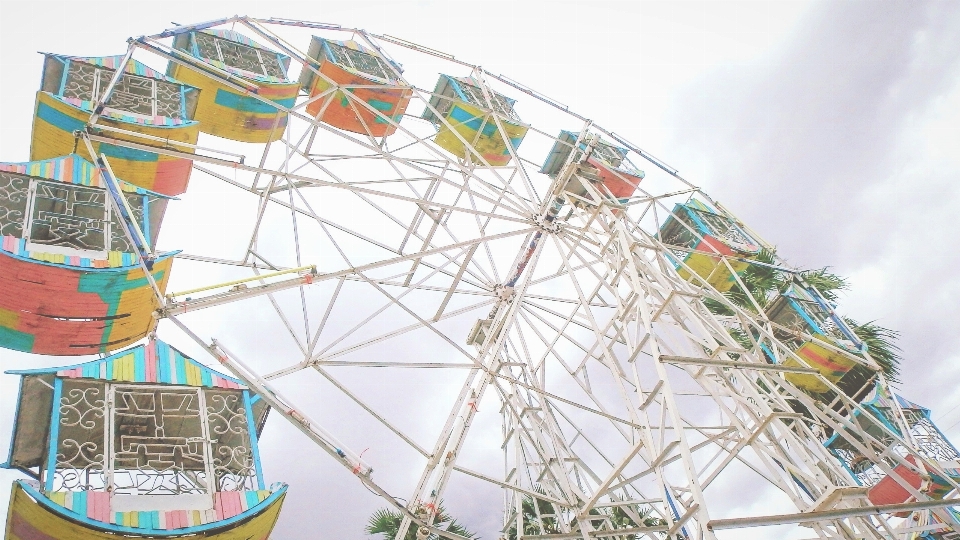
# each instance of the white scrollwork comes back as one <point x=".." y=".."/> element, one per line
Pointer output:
<point x="80" y="452"/>
<point x="233" y="462"/>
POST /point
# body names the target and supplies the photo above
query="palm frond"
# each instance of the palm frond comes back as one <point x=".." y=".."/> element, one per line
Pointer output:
<point x="459" y="529"/>
<point x="881" y="345"/>
<point x="716" y="307"/>
<point x="828" y="283"/>
<point x="760" y="280"/>
<point x="387" y="522"/>
<point x="384" y="521"/>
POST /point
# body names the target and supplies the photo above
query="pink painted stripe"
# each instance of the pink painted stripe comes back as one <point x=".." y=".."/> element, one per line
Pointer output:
<point x="149" y="366"/>
<point x="150" y="358"/>
<point x="228" y="510"/>
<point x="92" y="505"/>
<point x="234" y="498"/>
<point x="105" y="509"/>
<point x="98" y="505"/>
<point x="74" y="373"/>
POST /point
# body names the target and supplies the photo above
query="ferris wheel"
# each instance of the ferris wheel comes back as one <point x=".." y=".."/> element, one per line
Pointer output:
<point x="468" y="267"/>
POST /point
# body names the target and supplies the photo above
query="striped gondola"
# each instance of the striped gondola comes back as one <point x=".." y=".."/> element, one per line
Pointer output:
<point x="143" y="102"/>
<point x="594" y="161"/>
<point x="181" y="461"/>
<point x="213" y="57"/>
<point x="71" y="282"/>
<point x="832" y="348"/>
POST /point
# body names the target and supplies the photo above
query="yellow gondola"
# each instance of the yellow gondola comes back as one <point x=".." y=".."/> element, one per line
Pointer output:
<point x="832" y="346"/>
<point x="144" y="101"/>
<point x="704" y="236"/>
<point x="468" y="116"/>
<point x="223" y="110"/>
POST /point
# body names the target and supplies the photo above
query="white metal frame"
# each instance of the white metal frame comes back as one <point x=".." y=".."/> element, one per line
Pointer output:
<point x="602" y="359"/>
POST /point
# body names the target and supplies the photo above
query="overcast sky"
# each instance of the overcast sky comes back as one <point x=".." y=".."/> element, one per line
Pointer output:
<point x="832" y="128"/>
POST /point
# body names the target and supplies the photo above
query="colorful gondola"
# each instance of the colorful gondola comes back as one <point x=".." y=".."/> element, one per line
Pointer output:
<point x="595" y="161"/>
<point x="704" y="236"/>
<point x="831" y="349"/>
<point x="71" y="282"/>
<point x="369" y="98"/>
<point x="143" y="101"/>
<point x="222" y="109"/>
<point x="467" y="115"/>
<point x="146" y="443"/>
<point x="884" y="408"/>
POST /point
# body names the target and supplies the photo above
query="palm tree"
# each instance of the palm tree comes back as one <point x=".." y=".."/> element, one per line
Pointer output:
<point x="881" y="345"/>
<point x="621" y="520"/>
<point x="764" y="284"/>
<point x="386" y="522"/>
<point x="760" y="279"/>
<point x="538" y="519"/>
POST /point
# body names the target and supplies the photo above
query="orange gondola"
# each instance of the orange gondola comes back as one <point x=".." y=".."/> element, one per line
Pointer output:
<point x="368" y="99"/>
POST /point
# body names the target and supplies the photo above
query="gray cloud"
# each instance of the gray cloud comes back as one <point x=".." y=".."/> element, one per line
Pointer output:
<point x="816" y="147"/>
<point x="797" y="138"/>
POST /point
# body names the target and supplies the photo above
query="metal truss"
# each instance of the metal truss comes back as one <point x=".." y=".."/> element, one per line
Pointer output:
<point x="625" y="404"/>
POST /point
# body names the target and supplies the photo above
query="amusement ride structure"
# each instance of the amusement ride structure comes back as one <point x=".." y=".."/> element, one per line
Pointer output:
<point x="411" y="214"/>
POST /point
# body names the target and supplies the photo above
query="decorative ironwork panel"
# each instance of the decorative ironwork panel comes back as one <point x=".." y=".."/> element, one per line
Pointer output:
<point x="929" y="438"/>
<point x="14" y="194"/>
<point x="368" y="63"/>
<point x="679" y="254"/>
<point x="81" y="81"/>
<point x="240" y="56"/>
<point x="718" y="225"/>
<point x="725" y="229"/>
<point x="736" y="237"/>
<point x="501" y="105"/>
<point x="118" y="239"/>
<point x="272" y="65"/>
<point x="80" y="445"/>
<point x="232" y="458"/>
<point x="206" y="46"/>
<point x="169" y="100"/>
<point x="359" y="60"/>
<point x="70" y="216"/>
<point x="340" y="55"/>
<point x="864" y="470"/>
<point x="830" y="328"/>
<point x="132" y="93"/>
<point x="608" y="154"/>
<point x="159" y="442"/>
<point x="675" y="234"/>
